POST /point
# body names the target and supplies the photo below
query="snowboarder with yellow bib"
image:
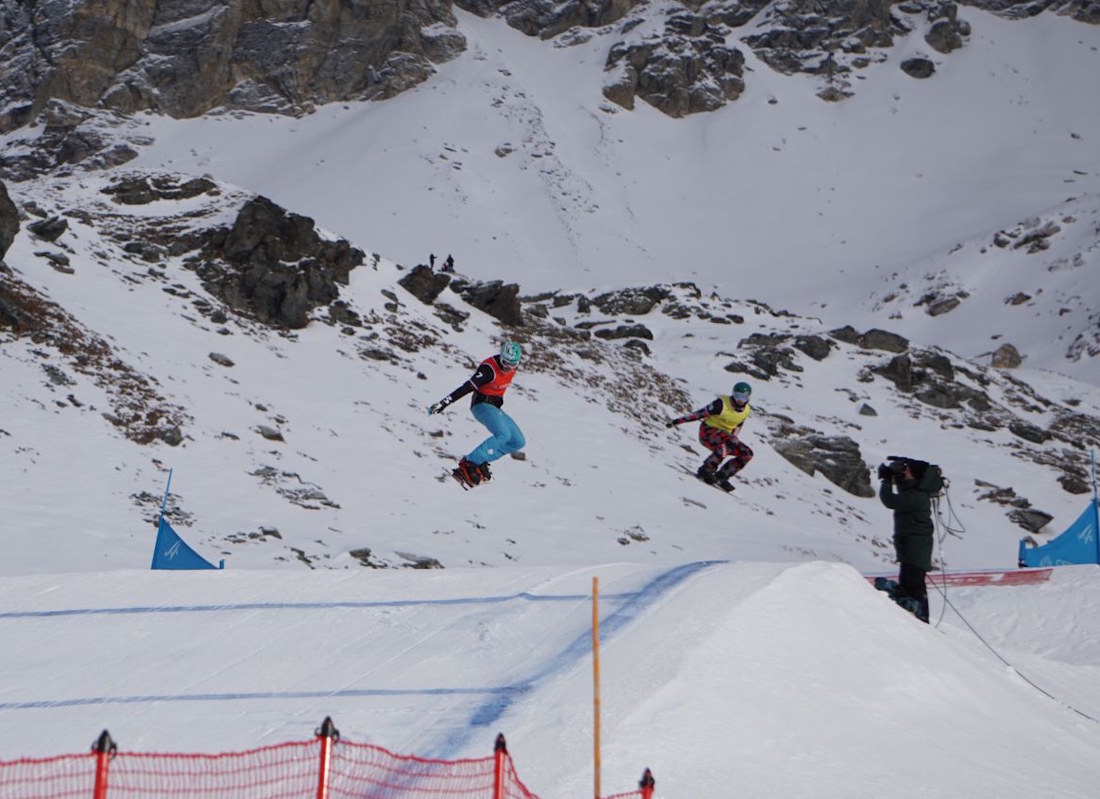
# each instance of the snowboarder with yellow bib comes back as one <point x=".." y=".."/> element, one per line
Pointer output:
<point x="718" y="431"/>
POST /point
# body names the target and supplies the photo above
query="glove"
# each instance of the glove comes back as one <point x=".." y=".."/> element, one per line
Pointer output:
<point x="434" y="408"/>
<point x="885" y="473"/>
<point x="670" y="423"/>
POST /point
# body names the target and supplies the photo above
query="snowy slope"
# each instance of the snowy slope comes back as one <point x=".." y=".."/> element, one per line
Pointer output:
<point x="816" y="207"/>
<point x="785" y="681"/>
<point x="360" y="466"/>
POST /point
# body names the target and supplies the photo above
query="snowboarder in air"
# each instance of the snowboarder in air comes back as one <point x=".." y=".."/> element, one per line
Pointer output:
<point x="488" y="384"/>
<point x="718" y="431"/>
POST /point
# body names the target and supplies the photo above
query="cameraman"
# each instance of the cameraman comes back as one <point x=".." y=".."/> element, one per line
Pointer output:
<point x="913" y="530"/>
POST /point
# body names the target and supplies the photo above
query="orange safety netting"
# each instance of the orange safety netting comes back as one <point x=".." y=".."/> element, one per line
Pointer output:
<point x="284" y="771"/>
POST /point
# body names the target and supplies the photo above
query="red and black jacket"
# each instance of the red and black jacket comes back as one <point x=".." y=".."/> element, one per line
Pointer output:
<point x="488" y="384"/>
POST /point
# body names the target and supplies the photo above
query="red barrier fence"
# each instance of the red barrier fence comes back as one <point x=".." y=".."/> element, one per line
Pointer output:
<point x="324" y="768"/>
<point x="984" y="577"/>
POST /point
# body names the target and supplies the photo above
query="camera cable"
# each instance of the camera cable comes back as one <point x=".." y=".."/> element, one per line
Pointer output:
<point x="942" y="529"/>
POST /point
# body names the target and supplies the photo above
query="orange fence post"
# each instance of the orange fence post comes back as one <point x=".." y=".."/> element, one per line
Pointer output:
<point x="596" y="687"/>
<point x="647" y="784"/>
<point x="500" y="751"/>
<point x="328" y="735"/>
<point x="104" y="749"/>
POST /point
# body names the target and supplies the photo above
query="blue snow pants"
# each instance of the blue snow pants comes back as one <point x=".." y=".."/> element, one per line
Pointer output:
<point x="506" y="436"/>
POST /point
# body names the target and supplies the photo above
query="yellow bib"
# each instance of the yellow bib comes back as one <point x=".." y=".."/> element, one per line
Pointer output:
<point x="730" y="418"/>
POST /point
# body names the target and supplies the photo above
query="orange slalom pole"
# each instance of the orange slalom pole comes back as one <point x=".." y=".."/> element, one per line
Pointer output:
<point x="500" y="751"/>
<point x="596" y="684"/>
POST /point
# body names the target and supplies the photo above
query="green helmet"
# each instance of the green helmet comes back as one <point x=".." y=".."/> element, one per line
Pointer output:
<point x="510" y="355"/>
<point x="741" y="393"/>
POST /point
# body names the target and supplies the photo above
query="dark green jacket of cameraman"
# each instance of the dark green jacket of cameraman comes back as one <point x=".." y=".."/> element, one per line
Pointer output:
<point x="913" y="531"/>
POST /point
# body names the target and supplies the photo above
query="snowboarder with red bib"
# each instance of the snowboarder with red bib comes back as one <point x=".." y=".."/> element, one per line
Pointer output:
<point x="488" y="384"/>
<point x="718" y="431"/>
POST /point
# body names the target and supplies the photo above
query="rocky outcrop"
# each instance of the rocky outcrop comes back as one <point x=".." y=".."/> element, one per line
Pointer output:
<point x="635" y="331"/>
<point x="49" y="229"/>
<point x="873" y="339"/>
<point x="632" y="301"/>
<point x="829" y="39"/>
<point x="546" y="19"/>
<point x="688" y="69"/>
<point x="837" y="457"/>
<point x="72" y="137"/>
<point x="918" y="67"/>
<point x="424" y="284"/>
<point x="1033" y="233"/>
<point x="274" y="265"/>
<point x="948" y="32"/>
<point x="185" y="58"/>
<point x="931" y="378"/>
<point x="1006" y="356"/>
<point x="496" y="298"/>
<point x="143" y="189"/>
<point x="1081" y="10"/>
<point x="9" y="220"/>
<point x="767" y="354"/>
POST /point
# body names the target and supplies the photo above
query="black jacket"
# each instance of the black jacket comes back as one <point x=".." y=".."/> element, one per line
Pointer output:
<point x="913" y="529"/>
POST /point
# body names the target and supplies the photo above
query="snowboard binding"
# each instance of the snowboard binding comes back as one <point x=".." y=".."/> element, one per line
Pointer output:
<point x="470" y="474"/>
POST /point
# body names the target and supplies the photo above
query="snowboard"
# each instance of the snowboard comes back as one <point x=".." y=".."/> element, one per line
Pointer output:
<point x="458" y="478"/>
<point x="691" y="473"/>
<point x="887" y="586"/>
<point x="893" y="590"/>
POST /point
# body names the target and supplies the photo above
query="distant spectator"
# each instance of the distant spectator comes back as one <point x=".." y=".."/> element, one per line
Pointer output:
<point x="431" y="261"/>
<point x="449" y="264"/>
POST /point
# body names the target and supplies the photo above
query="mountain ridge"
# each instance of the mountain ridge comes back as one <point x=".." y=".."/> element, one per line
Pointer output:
<point x="773" y="241"/>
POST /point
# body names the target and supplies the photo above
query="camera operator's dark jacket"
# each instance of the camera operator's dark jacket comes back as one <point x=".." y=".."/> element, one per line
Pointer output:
<point x="913" y="531"/>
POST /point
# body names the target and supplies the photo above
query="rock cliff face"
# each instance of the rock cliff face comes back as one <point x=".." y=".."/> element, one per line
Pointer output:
<point x="9" y="221"/>
<point x="691" y="64"/>
<point x="185" y="57"/>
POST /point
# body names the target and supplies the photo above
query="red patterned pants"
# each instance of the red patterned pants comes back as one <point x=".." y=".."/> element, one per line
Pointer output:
<point x="723" y="445"/>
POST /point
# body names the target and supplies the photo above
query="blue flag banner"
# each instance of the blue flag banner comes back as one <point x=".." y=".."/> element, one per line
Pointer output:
<point x="172" y="552"/>
<point x="1078" y="544"/>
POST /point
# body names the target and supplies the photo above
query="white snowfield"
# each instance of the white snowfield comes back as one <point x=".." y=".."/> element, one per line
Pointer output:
<point x="729" y="674"/>
<point x="726" y="679"/>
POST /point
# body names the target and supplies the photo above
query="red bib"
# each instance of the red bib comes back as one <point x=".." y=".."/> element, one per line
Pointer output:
<point x="497" y="386"/>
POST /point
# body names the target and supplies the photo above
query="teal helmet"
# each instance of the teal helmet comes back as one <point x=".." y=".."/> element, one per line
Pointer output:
<point x="741" y="393"/>
<point x="510" y="355"/>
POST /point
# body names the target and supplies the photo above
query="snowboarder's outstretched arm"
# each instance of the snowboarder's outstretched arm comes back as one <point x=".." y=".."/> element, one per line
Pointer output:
<point x="483" y="375"/>
<point x="713" y="409"/>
